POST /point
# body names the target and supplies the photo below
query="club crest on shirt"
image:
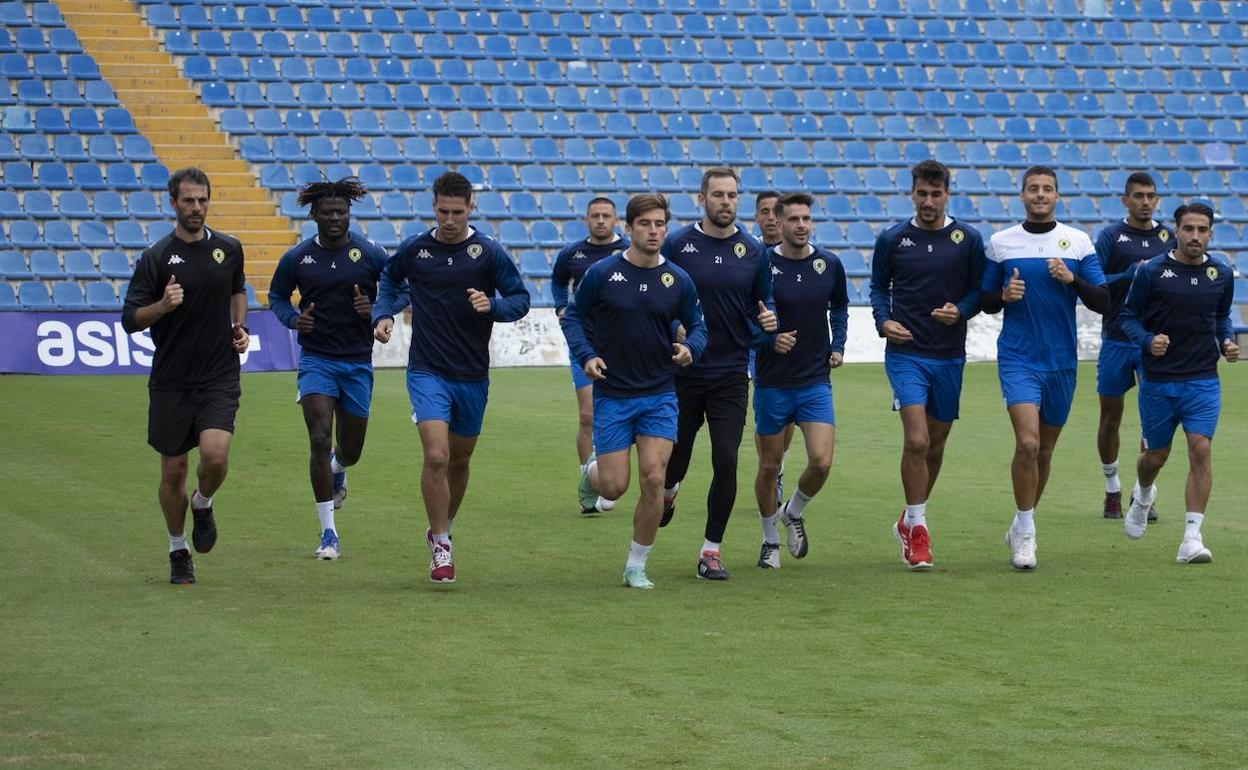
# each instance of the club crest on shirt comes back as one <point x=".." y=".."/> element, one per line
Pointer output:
<point x="819" y="265"/>
<point x="354" y="255"/>
<point x="738" y="248"/>
<point x="667" y="279"/>
<point x="1063" y="244"/>
<point x="1164" y="236"/>
<point x="218" y="255"/>
<point x="474" y="250"/>
<point x="1212" y="272"/>
<point x="957" y="236"/>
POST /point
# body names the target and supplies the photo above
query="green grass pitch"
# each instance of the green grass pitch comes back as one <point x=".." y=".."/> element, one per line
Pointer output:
<point x="1108" y="655"/>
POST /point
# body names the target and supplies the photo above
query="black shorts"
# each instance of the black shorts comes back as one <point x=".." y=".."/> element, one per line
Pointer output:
<point x="725" y="398"/>
<point x="175" y="418"/>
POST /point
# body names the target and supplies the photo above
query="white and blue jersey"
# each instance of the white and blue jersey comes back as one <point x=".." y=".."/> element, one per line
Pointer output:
<point x="1038" y="331"/>
<point x="327" y="279"/>
<point x="449" y="337"/>
<point x="1190" y="304"/>
<point x="732" y="276"/>
<point x="914" y="271"/>
<point x="630" y="313"/>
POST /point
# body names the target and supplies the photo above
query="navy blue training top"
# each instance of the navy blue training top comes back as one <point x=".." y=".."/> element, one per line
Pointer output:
<point x="914" y="271"/>
<point x="1190" y="304"/>
<point x="1121" y="249"/>
<point x="449" y="337"/>
<point x="327" y="278"/>
<point x="631" y="312"/>
<point x="572" y="262"/>
<point x="732" y="277"/>
<point x="811" y="299"/>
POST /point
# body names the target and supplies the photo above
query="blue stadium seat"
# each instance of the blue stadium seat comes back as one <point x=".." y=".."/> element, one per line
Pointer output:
<point x="33" y="295"/>
<point x="13" y="266"/>
<point x="102" y="295"/>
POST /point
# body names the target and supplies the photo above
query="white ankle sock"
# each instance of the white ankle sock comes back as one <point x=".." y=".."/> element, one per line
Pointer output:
<point x="1191" y="531"/>
<point x="177" y="543"/>
<point x="1024" y="521"/>
<point x="672" y="490"/>
<point x="770" y="535"/>
<point x="199" y="502"/>
<point x="797" y="503"/>
<point x="707" y="545"/>
<point x="443" y="540"/>
<point x="637" y="554"/>
<point x="325" y="512"/>
<point x="916" y="515"/>
<point x="1145" y="496"/>
<point x="1111" y="477"/>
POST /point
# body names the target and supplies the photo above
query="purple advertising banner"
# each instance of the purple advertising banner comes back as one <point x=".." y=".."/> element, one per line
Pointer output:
<point x="95" y="343"/>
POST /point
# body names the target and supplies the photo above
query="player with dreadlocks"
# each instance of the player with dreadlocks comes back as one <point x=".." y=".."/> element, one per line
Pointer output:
<point x="336" y="273"/>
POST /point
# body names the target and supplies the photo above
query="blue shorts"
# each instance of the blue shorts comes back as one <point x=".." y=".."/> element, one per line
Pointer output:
<point x="1118" y="368"/>
<point x="618" y="421"/>
<point x="579" y="378"/>
<point x="775" y="408"/>
<point x="935" y="383"/>
<point x="1163" y="405"/>
<point x="1052" y="391"/>
<point x="351" y="382"/>
<point x="459" y="403"/>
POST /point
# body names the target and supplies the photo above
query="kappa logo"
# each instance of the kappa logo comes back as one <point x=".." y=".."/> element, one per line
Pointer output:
<point x="776" y="271"/>
<point x="308" y="260"/>
<point x="906" y="243"/>
<point x="579" y="255"/>
<point x="1123" y="238"/>
<point x="1168" y="273"/>
<point x="689" y="249"/>
<point x="176" y="260"/>
<point x="617" y="277"/>
<point x="424" y="254"/>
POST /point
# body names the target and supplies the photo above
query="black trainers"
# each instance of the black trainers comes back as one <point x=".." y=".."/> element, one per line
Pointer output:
<point x="204" y="533"/>
<point x="710" y="568"/>
<point x="669" y="510"/>
<point x="181" y="568"/>
<point x="1113" y="505"/>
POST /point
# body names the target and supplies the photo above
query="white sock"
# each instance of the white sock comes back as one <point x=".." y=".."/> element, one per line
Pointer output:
<point x="1192" y="530"/>
<point x="916" y="515"/>
<point x="199" y="502"/>
<point x="671" y="491"/>
<point x="1110" y="470"/>
<point x="177" y="543"/>
<point x="1145" y="496"/>
<point x="707" y="545"/>
<point x="1024" y="521"/>
<point x="589" y="469"/>
<point x="604" y="504"/>
<point x="443" y="540"/>
<point x="637" y="554"/>
<point x="584" y="467"/>
<point x="770" y="535"/>
<point x="797" y="503"/>
<point x="325" y="512"/>
<point x="334" y="465"/>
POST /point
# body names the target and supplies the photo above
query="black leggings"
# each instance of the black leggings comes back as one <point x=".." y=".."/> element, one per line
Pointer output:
<point x="722" y="403"/>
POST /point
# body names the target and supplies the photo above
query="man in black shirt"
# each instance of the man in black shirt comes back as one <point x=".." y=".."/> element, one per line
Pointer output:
<point x="188" y="288"/>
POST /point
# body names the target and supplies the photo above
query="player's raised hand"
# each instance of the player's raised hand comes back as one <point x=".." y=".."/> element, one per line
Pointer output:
<point x="596" y="369"/>
<point x="172" y="297"/>
<point x="1059" y="272"/>
<point x="785" y="341"/>
<point x="383" y="330"/>
<point x="480" y="302"/>
<point x="836" y="359"/>
<point x="947" y="314"/>
<point x="1230" y="350"/>
<point x="242" y="338"/>
<point x="767" y="318"/>
<point x="1159" y="345"/>
<point x="305" y="322"/>
<point x="363" y="306"/>
<point x="681" y="354"/>
<point x="896" y="332"/>
<point x="1014" y="289"/>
